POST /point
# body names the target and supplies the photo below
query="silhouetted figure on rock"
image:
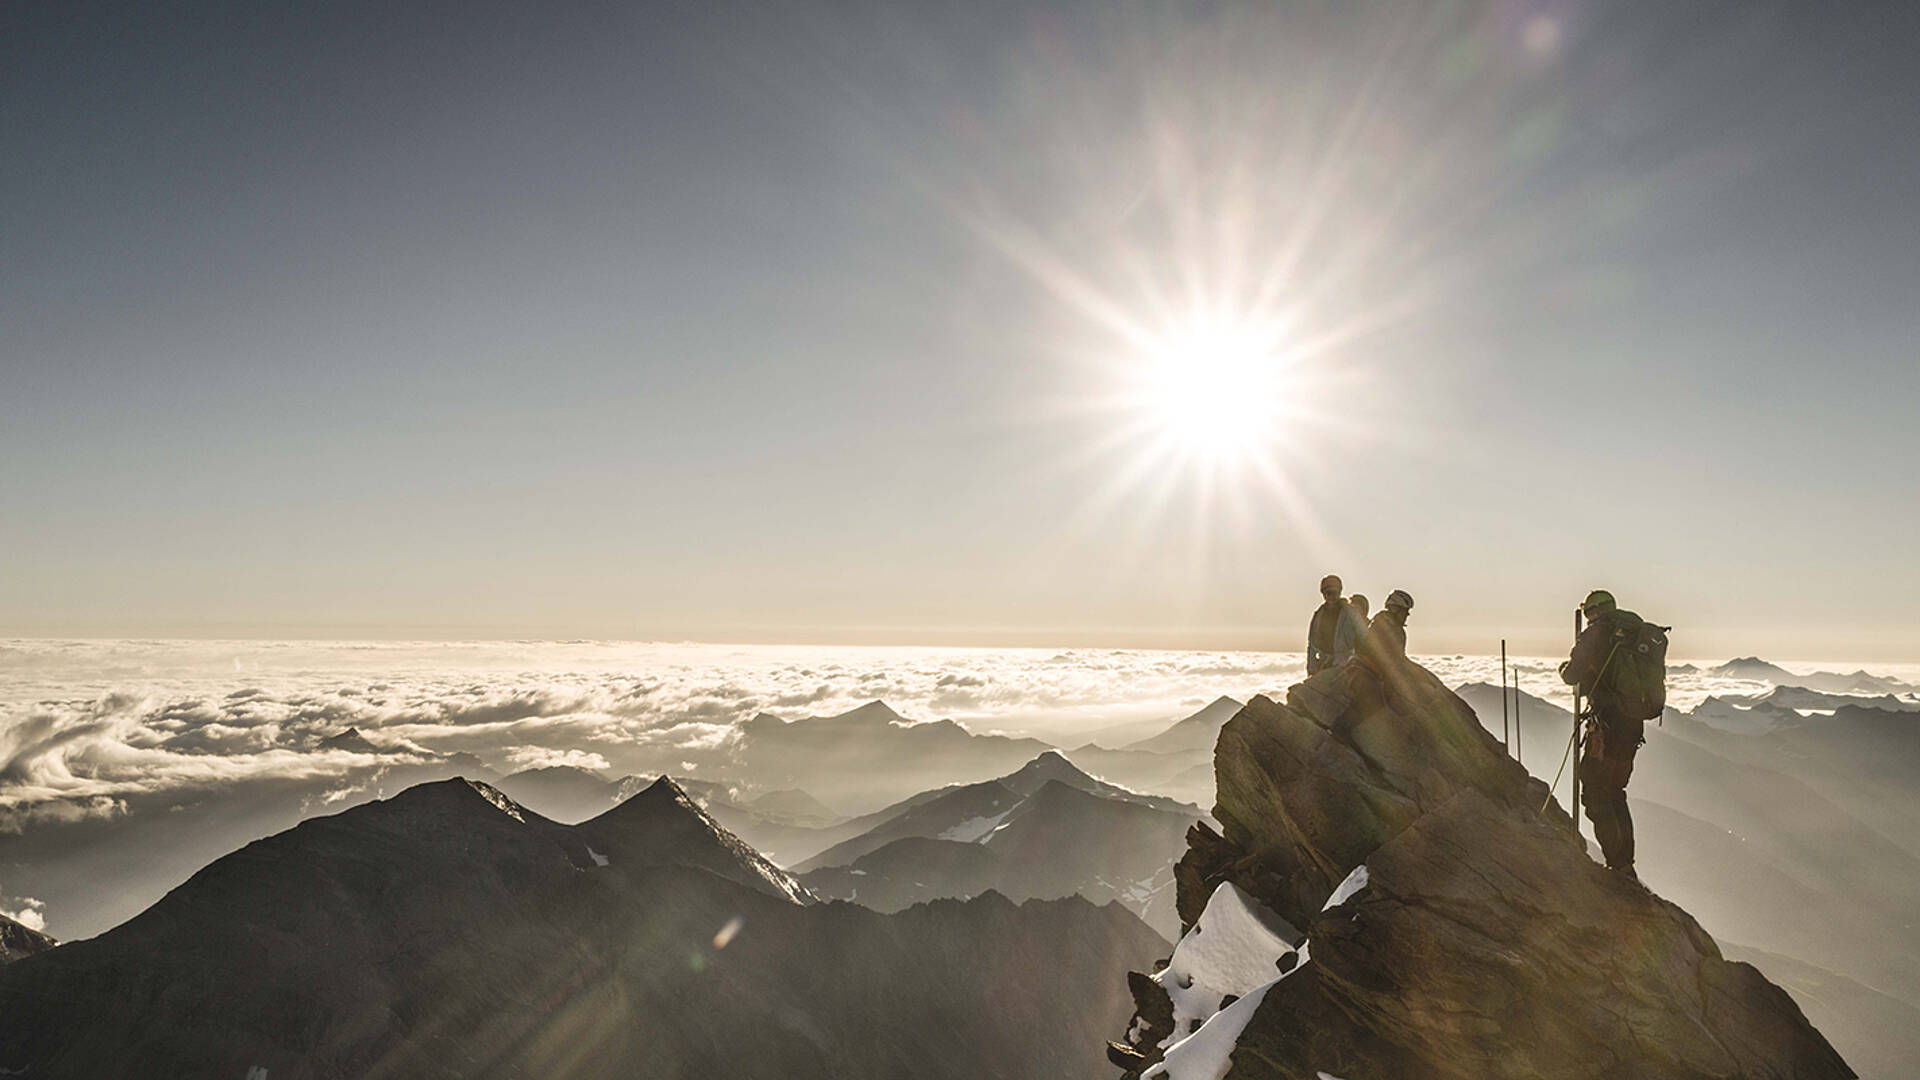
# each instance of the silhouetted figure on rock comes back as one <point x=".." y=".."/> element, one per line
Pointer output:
<point x="1618" y="664"/>
<point x="1386" y="638"/>
<point x="1334" y="630"/>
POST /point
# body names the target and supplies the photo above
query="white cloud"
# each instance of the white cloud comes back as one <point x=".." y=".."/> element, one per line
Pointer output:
<point x="537" y="757"/>
<point x="30" y="913"/>
<point x="89" y="728"/>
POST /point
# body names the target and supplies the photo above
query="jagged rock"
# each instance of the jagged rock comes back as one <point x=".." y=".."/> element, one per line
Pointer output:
<point x="1153" y="1012"/>
<point x="1482" y="941"/>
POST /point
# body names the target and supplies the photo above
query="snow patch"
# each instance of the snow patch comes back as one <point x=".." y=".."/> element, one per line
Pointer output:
<point x="1208" y="1053"/>
<point x="598" y="859"/>
<point x="1355" y="881"/>
<point x="1141" y="892"/>
<point x="1237" y="947"/>
<point x="973" y="829"/>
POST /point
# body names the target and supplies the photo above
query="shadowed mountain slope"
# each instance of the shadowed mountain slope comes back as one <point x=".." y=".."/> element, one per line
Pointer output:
<point x="1046" y="830"/>
<point x="449" y="932"/>
<point x="1196" y="732"/>
<point x="1885" y="1030"/>
<point x="1454" y="929"/>
<point x="967" y="812"/>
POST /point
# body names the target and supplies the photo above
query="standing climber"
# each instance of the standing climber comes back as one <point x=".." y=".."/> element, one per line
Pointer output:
<point x="1334" y="630"/>
<point x="1619" y="665"/>
<point x="1359" y="603"/>
<point x="1386" y="636"/>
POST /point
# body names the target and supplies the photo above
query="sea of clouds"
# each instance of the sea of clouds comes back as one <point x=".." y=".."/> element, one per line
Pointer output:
<point x="94" y="730"/>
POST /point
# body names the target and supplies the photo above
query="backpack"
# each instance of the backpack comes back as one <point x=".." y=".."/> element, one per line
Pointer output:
<point x="1637" y="673"/>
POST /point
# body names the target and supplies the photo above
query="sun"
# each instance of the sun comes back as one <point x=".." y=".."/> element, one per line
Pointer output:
<point x="1214" y="389"/>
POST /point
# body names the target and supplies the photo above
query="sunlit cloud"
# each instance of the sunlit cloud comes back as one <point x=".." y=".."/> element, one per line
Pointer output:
<point x="24" y="910"/>
<point x="182" y="726"/>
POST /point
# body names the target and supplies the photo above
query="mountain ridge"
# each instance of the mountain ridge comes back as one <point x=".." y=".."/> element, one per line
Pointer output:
<point x="448" y="933"/>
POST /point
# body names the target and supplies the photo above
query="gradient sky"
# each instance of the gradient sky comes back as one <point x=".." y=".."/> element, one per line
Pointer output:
<point x="804" y="323"/>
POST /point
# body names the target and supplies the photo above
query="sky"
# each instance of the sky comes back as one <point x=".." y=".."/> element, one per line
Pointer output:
<point x="828" y="323"/>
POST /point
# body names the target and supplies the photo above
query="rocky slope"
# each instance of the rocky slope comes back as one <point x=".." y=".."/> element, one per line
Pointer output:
<point x="449" y="932"/>
<point x="18" y="942"/>
<point x="1453" y="929"/>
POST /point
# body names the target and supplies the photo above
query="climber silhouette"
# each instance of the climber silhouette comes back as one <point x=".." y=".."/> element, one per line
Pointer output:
<point x="1618" y="663"/>
<point x="1386" y="638"/>
<point x="1335" y="629"/>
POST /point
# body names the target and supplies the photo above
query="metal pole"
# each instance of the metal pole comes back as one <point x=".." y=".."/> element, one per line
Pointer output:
<point x="1505" y="733"/>
<point x="1516" y="715"/>
<point x="1574" y="810"/>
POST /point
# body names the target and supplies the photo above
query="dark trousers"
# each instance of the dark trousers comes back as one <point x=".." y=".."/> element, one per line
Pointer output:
<point x="1606" y="764"/>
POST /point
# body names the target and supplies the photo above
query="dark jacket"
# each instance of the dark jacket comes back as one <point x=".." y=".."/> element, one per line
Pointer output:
<point x="1332" y="634"/>
<point x="1593" y="657"/>
<point x="1386" y="638"/>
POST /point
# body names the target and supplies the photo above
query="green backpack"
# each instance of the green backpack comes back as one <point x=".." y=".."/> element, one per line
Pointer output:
<point x="1637" y="670"/>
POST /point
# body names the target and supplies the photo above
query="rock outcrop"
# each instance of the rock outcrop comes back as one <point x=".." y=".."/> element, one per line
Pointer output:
<point x="1454" y="928"/>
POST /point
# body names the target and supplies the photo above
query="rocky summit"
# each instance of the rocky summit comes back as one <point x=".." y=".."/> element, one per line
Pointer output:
<point x="1453" y="928"/>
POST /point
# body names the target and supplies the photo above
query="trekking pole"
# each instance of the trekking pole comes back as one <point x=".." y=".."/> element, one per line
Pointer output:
<point x="1578" y="626"/>
<point x="1505" y="736"/>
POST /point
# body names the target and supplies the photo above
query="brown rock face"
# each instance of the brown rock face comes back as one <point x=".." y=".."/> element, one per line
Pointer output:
<point x="1486" y="942"/>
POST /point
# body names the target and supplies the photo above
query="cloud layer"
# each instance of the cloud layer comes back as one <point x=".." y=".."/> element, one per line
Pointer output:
<point x="107" y="732"/>
<point x="89" y="725"/>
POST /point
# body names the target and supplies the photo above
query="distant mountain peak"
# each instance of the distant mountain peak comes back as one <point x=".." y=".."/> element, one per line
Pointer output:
<point x="1195" y="732"/>
<point x="875" y="711"/>
<point x="663" y="824"/>
<point x="350" y="740"/>
<point x="666" y="787"/>
<point x="457" y="795"/>
<point x="1050" y="767"/>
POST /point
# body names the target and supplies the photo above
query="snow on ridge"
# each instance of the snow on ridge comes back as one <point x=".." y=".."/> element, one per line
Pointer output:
<point x="1208" y="1053"/>
<point x="1237" y="947"/>
<point x="973" y="829"/>
<point x="1355" y="881"/>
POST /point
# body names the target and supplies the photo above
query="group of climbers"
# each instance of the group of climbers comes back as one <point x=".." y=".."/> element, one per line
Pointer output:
<point x="1618" y="666"/>
<point x="1339" y="630"/>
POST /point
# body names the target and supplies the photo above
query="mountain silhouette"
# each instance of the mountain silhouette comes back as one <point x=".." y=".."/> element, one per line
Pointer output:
<point x="450" y="932"/>
<point x="1045" y="830"/>
<point x="1196" y="732"/>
